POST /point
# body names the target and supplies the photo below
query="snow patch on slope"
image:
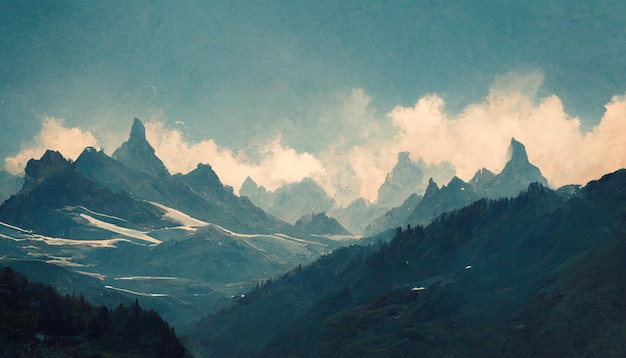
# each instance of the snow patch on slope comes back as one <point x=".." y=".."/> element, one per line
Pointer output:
<point x="120" y="230"/>
<point x="187" y="222"/>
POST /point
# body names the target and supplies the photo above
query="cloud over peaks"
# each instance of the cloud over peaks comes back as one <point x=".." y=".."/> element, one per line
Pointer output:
<point x="479" y="135"/>
<point x="274" y="165"/>
<point x="53" y="135"/>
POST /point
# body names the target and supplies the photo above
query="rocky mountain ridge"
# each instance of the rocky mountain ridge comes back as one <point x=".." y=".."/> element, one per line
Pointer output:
<point x="516" y="277"/>
<point x="517" y="174"/>
<point x="130" y="227"/>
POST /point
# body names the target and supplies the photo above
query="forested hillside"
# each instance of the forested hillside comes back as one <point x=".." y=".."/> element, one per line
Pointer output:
<point x="537" y="275"/>
<point x="35" y="321"/>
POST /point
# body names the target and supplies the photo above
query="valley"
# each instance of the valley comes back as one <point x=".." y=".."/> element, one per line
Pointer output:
<point x="215" y="266"/>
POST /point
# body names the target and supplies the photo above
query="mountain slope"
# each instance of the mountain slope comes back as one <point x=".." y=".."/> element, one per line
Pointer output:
<point x="408" y="178"/>
<point x="290" y="201"/>
<point x="320" y="224"/>
<point x="454" y="195"/>
<point x="517" y="174"/>
<point x="72" y="326"/>
<point x="394" y="217"/>
<point x="140" y="173"/>
<point x="55" y="194"/>
<point x="537" y="275"/>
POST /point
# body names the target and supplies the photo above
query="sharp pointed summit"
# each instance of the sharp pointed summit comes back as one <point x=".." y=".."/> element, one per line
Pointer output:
<point x="136" y="153"/>
<point x="518" y="151"/>
<point x="518" y="169"/>
<point x="137" y="131"/>
<point x="517" y="174"/>
<point x="431" y="189"/>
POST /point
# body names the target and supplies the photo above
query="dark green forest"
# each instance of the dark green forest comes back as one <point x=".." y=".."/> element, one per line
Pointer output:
<point x="539" y="275"/>
<point x="36" y="321"/>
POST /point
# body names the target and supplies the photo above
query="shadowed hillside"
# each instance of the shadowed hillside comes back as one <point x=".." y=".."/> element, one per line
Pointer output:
<point x="537" y="275"/>
<point x="38" y="322"/>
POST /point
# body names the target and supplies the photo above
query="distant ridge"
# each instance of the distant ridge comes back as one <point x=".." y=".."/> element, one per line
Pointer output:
<point x="290" y="201"/>
<point x="516" y="176"/>
<point x="320" y="224"/>
<point x="531" y="276"/>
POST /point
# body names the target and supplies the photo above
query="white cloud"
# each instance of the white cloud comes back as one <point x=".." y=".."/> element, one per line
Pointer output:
<point x="479" y="136"/>
<point x="53" y="135"/>
<point x="278" y="164"/>
<point x="354" y="159"/>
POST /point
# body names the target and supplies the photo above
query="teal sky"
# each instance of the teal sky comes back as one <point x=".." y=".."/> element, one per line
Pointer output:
<point x="243" y="73"/>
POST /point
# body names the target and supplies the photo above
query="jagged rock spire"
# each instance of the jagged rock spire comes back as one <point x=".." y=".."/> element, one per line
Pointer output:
<point x="519" y="168"/>
<point x="136" y="153"/>
<point x="518" y="151"/>
<point x="431" y="189"/>
<point x="137" y="131"/>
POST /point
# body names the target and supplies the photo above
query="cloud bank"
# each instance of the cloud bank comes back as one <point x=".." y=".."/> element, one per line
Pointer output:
<point x="277" y="163"/>
<point x="479" y="135"/>
<point x="53" y="135"/>
<point x="361" y="147"/>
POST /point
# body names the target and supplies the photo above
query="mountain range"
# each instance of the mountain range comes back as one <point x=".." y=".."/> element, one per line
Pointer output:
<point x="290" y="201"/>
<point x="501" y="265"/>
<point x="408" y="177"/>
<point x="517" y="174"/>
<point x="535" y="275"/>
<point x="183" y="242"/>
<point x="396" y="201"/>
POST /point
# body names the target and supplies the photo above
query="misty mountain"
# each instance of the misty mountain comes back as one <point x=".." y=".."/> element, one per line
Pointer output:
<point x="517" y="174"/>
<point x="290" y="201"/>
<point x="405" y="179"/>
<point x="536" y="275"/>
<point x="9" y="184"/>
<point x="130" y="228"/>
<point x="395" y="217"/>
<point x="357" y="215"/>
<point x="408" y="177"/>
<point x="200" y="193"/>
<point x="320" y="224"/>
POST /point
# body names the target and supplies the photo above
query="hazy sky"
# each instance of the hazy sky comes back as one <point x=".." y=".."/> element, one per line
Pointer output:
<point x="279" y="90"/>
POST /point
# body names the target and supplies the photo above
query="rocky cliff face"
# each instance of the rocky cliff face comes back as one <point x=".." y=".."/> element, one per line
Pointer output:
<point x="408" y="177"/>
<point x="517" y="174"/>
<point x="137" y="154"/>
<point x="38" y="170"/>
